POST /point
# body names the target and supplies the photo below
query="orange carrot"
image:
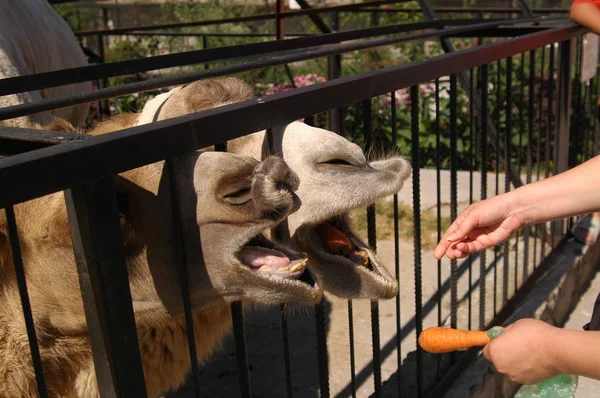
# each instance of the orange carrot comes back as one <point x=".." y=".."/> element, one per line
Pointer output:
<point x="438" y="339"/>
<point x="335" y="241"/>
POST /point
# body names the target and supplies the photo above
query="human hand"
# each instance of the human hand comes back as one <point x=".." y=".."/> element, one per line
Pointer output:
<point x="523" y="352"/>
<point x="480" y="226"/>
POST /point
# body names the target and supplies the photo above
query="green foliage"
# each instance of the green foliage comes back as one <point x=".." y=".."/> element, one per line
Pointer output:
<point x="468" y="128"/>
<point x="78" y="18"/>
<point x="132" y="49"/>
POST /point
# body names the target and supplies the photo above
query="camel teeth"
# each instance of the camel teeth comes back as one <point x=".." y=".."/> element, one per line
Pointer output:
<point x="265" y="268"/>
<point x="284" y="269"/>
<point x="365" y="258"/>
<point x="304" y="254"/>
<point x="296" y="268"/>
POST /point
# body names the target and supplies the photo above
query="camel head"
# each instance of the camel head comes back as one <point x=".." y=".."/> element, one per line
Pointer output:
<point x="336" y="178"/>
<point x="225" y="202"/>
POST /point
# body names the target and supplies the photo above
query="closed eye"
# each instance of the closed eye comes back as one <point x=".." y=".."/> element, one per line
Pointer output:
<point x="238" y="197"/>
<point x="339" y="162"/>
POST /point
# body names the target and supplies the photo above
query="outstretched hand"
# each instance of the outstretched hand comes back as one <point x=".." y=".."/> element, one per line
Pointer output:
<point x="480" y="226"/>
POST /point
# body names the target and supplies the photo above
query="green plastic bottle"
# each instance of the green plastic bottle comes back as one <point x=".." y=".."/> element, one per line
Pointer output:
<point x="560" y="386"/>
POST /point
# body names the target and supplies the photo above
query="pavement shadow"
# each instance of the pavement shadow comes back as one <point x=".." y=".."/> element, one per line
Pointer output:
<point x="219" y="375"/>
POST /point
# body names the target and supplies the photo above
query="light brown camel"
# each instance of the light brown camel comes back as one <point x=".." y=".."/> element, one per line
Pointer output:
<point x="336" y="178"/>
<point x="225" y="201"/>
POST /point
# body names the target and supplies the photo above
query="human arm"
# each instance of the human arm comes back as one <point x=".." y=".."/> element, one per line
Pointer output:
<point x="530" y="351"/>
<point x="586" y="14"/>
<point x="492" y="221"/>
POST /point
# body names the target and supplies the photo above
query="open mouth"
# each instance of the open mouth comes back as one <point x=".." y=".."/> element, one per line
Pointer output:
<point x="345" y="266"/>
<point x="275" y="262"/>
<point x="337" y="239"/>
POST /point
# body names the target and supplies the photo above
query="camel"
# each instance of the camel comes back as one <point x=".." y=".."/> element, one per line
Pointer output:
<point x="225" y="200"/>
<point x="35" y="39"/>
<point x="336" y="178"/>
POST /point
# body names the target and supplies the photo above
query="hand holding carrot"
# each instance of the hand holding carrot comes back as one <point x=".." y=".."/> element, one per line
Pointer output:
<point x="524" y="352"/>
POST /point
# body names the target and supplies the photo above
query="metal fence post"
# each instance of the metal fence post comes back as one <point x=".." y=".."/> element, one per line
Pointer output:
<point x="279" y="20"/>
<point x="561" y="142"/>
<point x="104" y="283"/>
<point x="104" y="108"/>
<point x="334" y="71"/>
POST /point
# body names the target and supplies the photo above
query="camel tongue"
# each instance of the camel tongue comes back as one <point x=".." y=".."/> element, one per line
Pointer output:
<point x="256" y="257"/>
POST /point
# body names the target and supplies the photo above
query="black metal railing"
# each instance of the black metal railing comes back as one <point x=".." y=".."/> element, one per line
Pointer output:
<point x="518" y="132"/>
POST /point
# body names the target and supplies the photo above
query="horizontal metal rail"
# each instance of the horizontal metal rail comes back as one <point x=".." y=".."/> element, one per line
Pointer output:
<point x="273" y="60"/>
<point x="92" y="72"/>
<point x="470" y="10"/>
<point x="249" y="18"/>
<point x="15" y="140"/>
<point x="200" y="34"/>
<point x="111" y="154"/>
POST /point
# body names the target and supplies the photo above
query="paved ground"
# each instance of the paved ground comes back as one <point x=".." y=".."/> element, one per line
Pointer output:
<point x="263" y="327"/>
<point x="587" y="388"/>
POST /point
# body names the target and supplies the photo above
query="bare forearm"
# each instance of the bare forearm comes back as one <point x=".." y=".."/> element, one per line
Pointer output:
<point x="588" y="15"/>
<point x="574" y="192"/>
<point x="575" y="352"/>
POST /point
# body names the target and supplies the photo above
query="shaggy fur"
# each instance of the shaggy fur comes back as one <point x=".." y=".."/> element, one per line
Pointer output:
<point x="35" y="39"/>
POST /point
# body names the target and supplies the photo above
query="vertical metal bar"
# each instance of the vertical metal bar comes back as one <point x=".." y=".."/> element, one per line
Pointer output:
<point x="181" y="265"/>
<point x="520" y="152"/>
<point x="397" y="254"/>
<point x="416" y="164"/>
<point x="550" y="129"/>
<point x="100" y="258"/>
<point x="286" y="352"/>
<point x="529" y="162"/>
<point x="103" y="105"/>
<point x="539" y="148"/>
<point x="241" y="350"/>
<point x="352" y="358"/>
<point x="279" y="20"/>
<point x="334" y="71"/>
<point x="371" y="230"/>
<point x="497" y="158"/>
<point x="281" y="233"/>
<point x="594" y="115"/>
<point x="592" y="112"/>
<point x="322" y="355"/>
<point x="472" y="134"/>
<point x="507" y="165"/>
<point x="564" y="102"/>
<point x="205" y="46"/>
<point x="15" y="248"/>
<point x="237" y="317"/>
<point x="484" y="170"/>
<point x="587" y="120"/>
<point x="453" y="197"/>
<point x="576" y="125"/>
<point x="438" y="191"/>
